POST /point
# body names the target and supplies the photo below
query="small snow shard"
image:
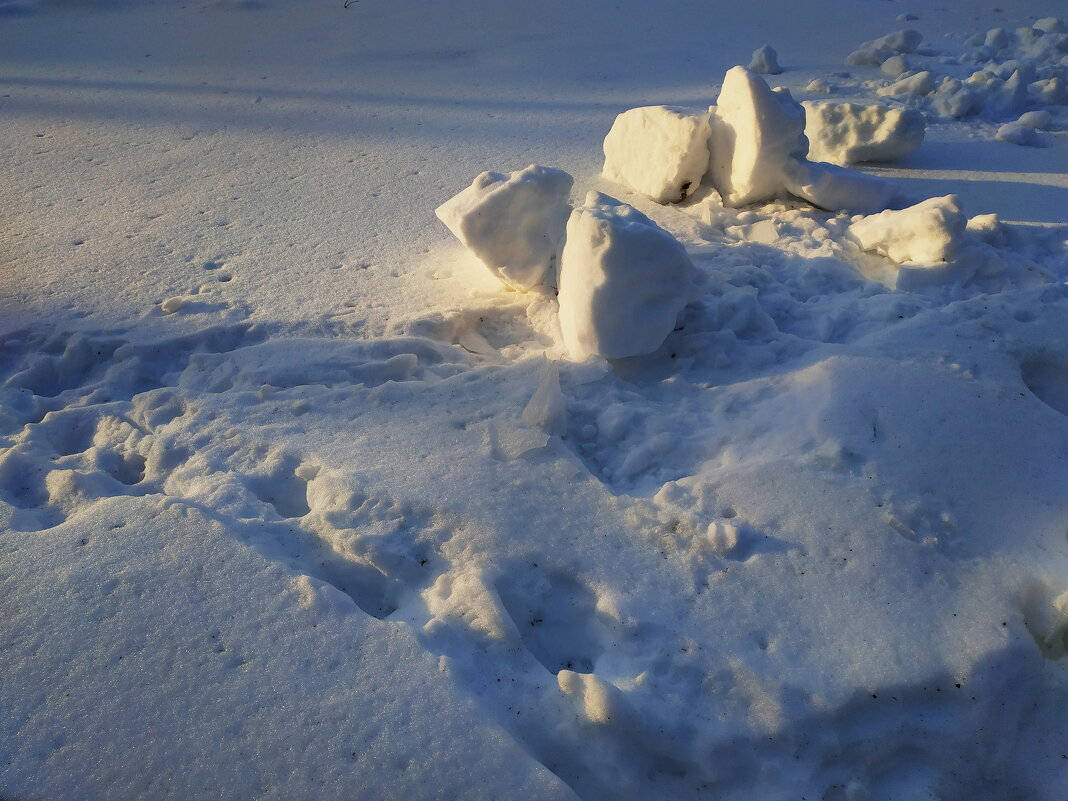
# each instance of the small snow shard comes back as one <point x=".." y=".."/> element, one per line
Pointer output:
<point x="623" y="281"/>
<point x="837" y="188"/>
<point x="658" y="151"/>
<point x="765" y="61"/>
<point x="846" y="133"/>
<point x="1016" y="134"/>
<point x="930" y="231"/>
<point x="547" y="408"/>
<point x="755" y="131"/>
<point x="513" y="223"/>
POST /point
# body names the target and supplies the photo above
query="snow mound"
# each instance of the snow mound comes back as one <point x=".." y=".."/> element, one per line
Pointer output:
<point x="931" y="231"/>
<point x="755" y="132"/>
<point x="623" y="281"/>
<point x="1016" y="134"/>
<point x="513" y="223"/>
<point x="765" y="61"/>
<point x="1039" y="120"/>
<point x="845" y="133"/>
<point x="835" y="188"/>
<point x="658" y="151"/>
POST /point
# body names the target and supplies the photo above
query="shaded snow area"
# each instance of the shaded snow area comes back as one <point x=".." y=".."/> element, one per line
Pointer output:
<point x="693" y="457"/>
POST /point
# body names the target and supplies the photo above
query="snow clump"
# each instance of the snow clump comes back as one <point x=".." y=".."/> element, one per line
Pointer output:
<point x="1016" y="134"/>
<point x="931" y="231"/>
<point x="835" y="188"/>
<point x="513" y="223"/>
<point x="875" y="52"/>
<point x="846" y="133"/>
<point x="765" y="61"/>
<point x="658" y="151"/>
<point x="623" y="281"/>
<point x="755" y="131"/>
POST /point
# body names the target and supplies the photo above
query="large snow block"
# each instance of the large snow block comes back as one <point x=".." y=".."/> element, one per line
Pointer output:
<point x="623" y="281"/>
<point x="658" y="151"/>
<point x="930" y="231"/>
<point x="838" y="188"/>
<point x="513" y="223"/>
<point x="846" y="133"/>
<point x="755" y="131"/>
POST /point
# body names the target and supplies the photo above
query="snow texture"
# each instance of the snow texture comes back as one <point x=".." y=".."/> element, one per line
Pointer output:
<point x="847" y="133"/>
<point x="513" y="223"/>
<point x="658" y="151"/>
<point x="623" y="281"/>
<point x="755" y="132"/>
<point x="931" y="231"/>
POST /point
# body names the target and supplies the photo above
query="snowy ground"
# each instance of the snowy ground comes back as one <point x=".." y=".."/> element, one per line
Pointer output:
<point x="279" y="518"/>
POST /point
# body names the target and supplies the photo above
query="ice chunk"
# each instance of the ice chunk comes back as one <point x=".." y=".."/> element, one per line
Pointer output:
<point x="1016" y="134"/>
<point x="837" y="188"/>
<point x="922" y="83"/>
<point x="513" y="223"/>
<point x="845" y="133"/>
<point x="755" y="131"/>
<point x="1039" y="120"/>
<point x="658" y="151"/>
<point x="765" y="61"/>
<point x="623" y="281"/>
<point x="930" y="231"/>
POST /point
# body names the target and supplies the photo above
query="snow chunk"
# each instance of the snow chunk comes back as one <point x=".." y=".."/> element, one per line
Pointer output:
<point x="837" y="188"/>
<point x="623" y="281"/>
<point x="930" y="231"/>
<point x="765" y="61"/>
<point x="755" y="131"/>
<point x="513" y="223"/>
<point x="1050" y="25"/>
<point x="658" y="151"/>
<point x="845" y="133"/>
<point x="1016" y="134"/>
<point x="875" y="52"/>
<point x="1039" y="120"/>
<point x="922" y="83"/>
<point x="817" y="85"/>
<point x="895" y="67"/>
<point x="1051" y="91"/>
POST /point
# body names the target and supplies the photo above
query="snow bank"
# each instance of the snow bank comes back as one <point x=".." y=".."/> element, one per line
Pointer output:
<point x="845" y="133"/>
<point x="930" y="231"/>
<point x="755" y="132"/>
<point x="835" y="188"/>
<point x="765" y="61"/>
<point x="623" y="281"/>
<point x="658" y="151"/>
<point x="513" y="223"/>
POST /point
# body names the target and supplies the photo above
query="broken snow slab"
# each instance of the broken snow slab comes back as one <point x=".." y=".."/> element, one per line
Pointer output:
<point x="929" y="232"/>
<point x="659" y="151"/>
<point x="513" y="223"/>
<point x="835" y="188"/>
<point x="623" y="281"/>
<point x="847" y="133"/>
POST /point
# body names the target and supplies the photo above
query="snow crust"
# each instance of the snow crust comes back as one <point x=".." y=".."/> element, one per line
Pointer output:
<point x="658" y="151"/>
<point x="623" y="281"/>
<point x="513" y="223"/>
<point x="846" y="133"/>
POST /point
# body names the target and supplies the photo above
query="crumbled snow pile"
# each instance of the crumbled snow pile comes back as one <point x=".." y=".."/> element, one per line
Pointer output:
<point x="513" y="223"/>
<point x="755" y="132"/>
<point x="765" y="61"/>
<point x="623" y="281"/>
<point x="847" y="133"/>
<point x="928" y="232"/>
<point x="658" y="151"/>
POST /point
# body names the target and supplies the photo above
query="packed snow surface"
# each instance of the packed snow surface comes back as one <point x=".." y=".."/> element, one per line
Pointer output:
<point x="300" y="500"/>
<point x="658" y="151"/>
